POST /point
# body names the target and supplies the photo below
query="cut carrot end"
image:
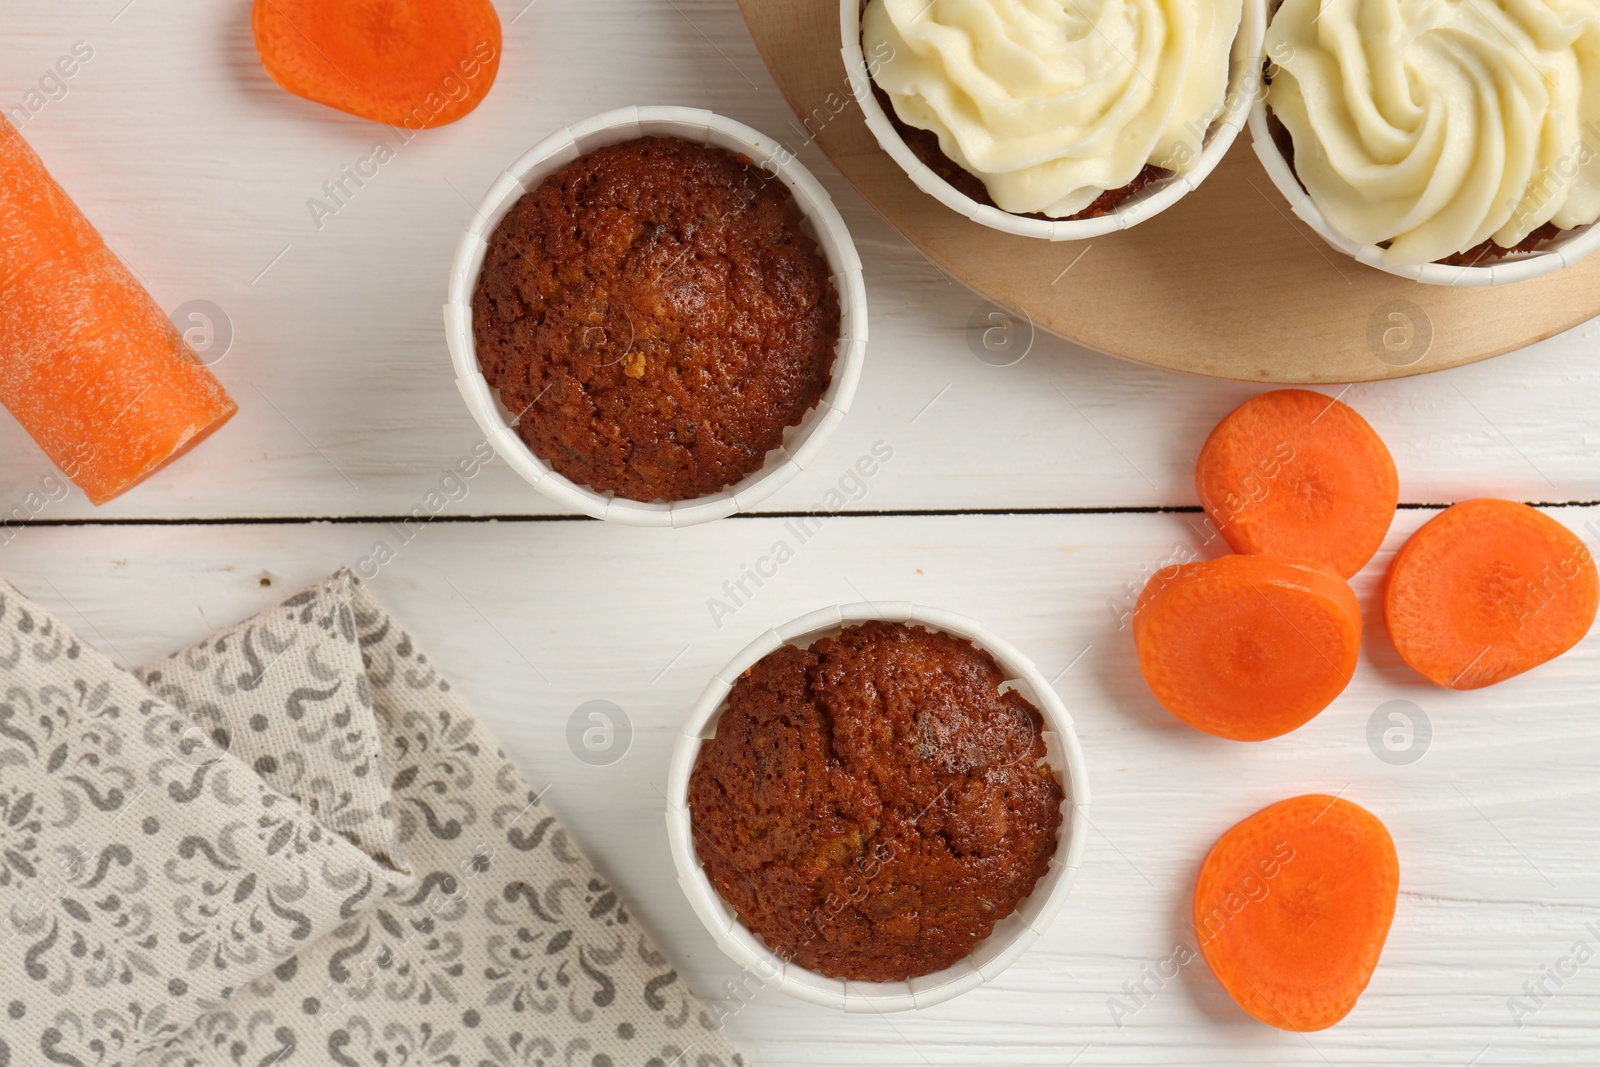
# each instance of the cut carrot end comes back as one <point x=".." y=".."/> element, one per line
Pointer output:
<point x="1247" y="647"/>
<point x="414" y="64"/>
<point x="188" y="438"/>
<point x="1292" y="908"/>
<point x="1486" y="590"/>
<point x="89" y="365"/>
<point x="1297" y="474"/>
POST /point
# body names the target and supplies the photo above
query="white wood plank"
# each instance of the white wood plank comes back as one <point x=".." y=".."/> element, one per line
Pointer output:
<point x="199" y="172"/>
<point x="1494" y="824"/>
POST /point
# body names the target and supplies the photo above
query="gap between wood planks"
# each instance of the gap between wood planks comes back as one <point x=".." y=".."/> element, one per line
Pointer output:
<point x="889" y="513"/>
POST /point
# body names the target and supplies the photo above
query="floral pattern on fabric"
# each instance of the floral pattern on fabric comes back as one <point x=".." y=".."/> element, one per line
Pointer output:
<point x="148" y="873"/>
<point x="293" y="844"/>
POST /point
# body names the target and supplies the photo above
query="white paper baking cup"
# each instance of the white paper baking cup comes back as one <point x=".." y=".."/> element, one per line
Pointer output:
<point x="821" y="220"/>
<point x="1563" y="251"/>
<point x="1012" y="935"/>
<point x="1244" y="84"/>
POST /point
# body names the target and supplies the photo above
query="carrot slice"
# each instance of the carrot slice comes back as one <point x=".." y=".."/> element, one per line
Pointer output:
<point x="1292" y="908"/>
<point x="1247" y="647"/>
<point x="1488" y="589"/>
<point x="1294" y="473"/>
<point x="89" y="365"/>
<point x="411" y="63"/>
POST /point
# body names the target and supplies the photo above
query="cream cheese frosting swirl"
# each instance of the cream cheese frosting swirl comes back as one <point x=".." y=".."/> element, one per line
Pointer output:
<point x="1052" y="102"/>
<point x="1435" y="125"/>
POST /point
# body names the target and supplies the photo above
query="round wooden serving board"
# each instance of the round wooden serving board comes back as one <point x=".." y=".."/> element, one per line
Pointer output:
<point x="1227" y="283"/>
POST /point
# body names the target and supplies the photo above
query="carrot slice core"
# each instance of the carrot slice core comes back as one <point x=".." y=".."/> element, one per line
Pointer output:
<point x="1488" y="589"/>
<point x="1292" y="908"/>
<point x="1297" y="474"/>
<point x="1247" y="647"/>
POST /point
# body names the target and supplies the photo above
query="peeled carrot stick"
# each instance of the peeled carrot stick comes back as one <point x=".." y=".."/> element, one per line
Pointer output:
<point x="411" y="63"/>
<point x="89" y="365"/>
<point x="1292" y="908"/>
<point x="1488" y="589"/>
<point x="1247" y="647"/>
<point x="1298" y="474"/>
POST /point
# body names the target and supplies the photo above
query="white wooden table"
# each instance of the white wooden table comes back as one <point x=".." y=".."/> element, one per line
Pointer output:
<point x="1032" y="496"/>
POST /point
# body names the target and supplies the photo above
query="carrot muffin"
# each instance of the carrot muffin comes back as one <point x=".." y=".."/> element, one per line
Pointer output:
<point x="656" y="316"/>
<point x="873" y="805"/>
<point x="924" y="144"/>
<point x="1056" y="110"/>
<point x="1442" y="130"/>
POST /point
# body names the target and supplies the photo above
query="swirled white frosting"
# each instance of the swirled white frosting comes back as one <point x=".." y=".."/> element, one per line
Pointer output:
<point x="1052" y="102"/>
<point x="1439" y="124"/>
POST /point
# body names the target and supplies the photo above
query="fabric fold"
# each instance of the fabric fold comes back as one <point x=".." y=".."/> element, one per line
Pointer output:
<point x="147" y="873"/>
<point x="286" y="692"/>
<point x="293" y="844"/>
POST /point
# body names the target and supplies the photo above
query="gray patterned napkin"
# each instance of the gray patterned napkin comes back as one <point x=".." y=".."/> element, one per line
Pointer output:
<point x="292" y="844"/>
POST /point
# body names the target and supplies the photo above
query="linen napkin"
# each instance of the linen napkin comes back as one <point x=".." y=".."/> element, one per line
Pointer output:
<point x="293" y="844"/>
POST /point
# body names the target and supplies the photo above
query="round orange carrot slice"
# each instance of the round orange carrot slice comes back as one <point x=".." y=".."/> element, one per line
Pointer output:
<point x="410" y="63"/>
<point x="1247" y="647"/>
<point x="1297" y="474"/>
<point x="1488" y="589"/>
<point x="1292" y="908"/>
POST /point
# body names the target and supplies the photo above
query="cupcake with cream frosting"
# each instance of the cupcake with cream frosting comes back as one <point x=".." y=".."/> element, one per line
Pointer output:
<point x="1053" y="110"/>
<point x="1461" y="132"/>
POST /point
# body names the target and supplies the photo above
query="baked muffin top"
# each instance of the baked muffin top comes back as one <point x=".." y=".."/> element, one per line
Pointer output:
<point x="874" y="804"/>
<point x="657" y="315"/>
